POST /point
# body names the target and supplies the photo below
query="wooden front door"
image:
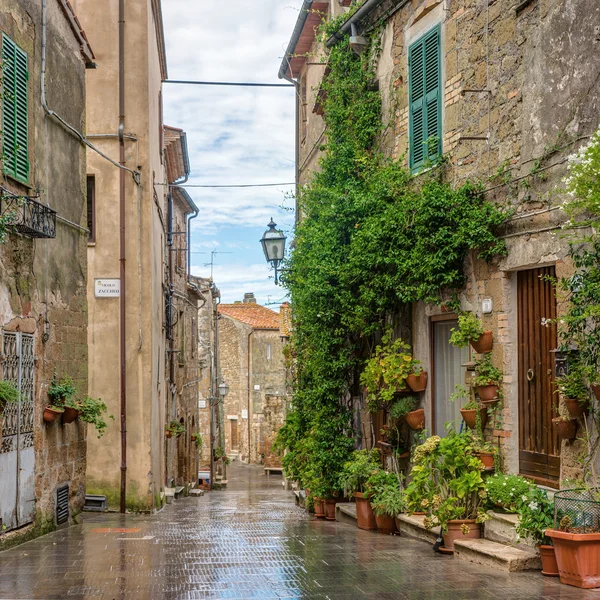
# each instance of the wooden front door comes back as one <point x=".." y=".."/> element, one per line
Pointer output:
<point x="539" y="447"/>
<point x="234" y="434"/>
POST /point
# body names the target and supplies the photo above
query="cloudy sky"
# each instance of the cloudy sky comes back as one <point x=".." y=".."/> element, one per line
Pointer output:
<point x="235" y="135"/>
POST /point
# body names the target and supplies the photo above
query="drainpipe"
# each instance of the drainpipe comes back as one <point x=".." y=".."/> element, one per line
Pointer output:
<point x="122" y="259"/>
<point x="249" y="365"/>
<point x="170" y="216"/>
<point x="368" y="7"/>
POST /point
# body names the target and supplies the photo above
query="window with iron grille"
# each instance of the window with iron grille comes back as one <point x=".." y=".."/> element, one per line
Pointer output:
<point x="62" y="505"/>
<point x="15" y="110"/>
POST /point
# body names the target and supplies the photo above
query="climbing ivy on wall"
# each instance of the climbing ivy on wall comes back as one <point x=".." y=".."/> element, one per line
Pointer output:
<point x="372" y="238"/>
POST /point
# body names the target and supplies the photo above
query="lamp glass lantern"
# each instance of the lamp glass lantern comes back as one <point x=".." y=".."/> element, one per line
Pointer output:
<point x="223" y="389"/>
<point x="273" y="244"/>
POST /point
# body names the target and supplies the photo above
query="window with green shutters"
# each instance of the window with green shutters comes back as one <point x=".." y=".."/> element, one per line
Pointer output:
<point x="425" y="99"/>
<point x="15" y="111"/>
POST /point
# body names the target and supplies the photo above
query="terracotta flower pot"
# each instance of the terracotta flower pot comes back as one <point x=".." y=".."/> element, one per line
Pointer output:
<point x="596" y="390"/>
<point x="169" y="434"/>
<point x="51" y="415"/>
<point x="549" y="564"/>
<point x="490" y="403"/>
<point x="364" y="513"/>
<point x="487" y="392"/>
<point x="470" y="416"/>
<point x="70" y="414"/>
<point x="385" y="524"/>
<point x="455" y="532"/>
<point x="329" y="506"/>
<point x="319" y="508"/>
<point x="578" y="557"/>
<point x="576" y="409"/>
<point x="566" y="430"/>
<point x="487" y="458"/>
<point x="417" y="383"/>
<point x="416" y="419"/>
<point x="484" y="343"/>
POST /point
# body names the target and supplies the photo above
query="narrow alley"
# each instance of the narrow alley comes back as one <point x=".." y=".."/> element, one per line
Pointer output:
<point x="249" y="541"/>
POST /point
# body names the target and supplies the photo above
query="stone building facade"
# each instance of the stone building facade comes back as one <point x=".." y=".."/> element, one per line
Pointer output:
<point x="252" y="364"/>
<point x="43" y="263"/>
<point x="127" y="334"/>
<point x="515" y="94"/>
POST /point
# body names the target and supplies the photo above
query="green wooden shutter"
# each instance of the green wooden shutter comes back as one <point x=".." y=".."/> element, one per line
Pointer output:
<point x="15" y="111"/>
<point x="425" y="99"/>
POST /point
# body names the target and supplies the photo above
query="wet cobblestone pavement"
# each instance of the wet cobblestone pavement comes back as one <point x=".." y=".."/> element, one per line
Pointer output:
<point x="249" y="542"/>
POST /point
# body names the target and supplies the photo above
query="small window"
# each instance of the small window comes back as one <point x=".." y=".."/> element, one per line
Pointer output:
<point x="91" y="207"/>
<point x="268" y="351"/>
<point x="15" y="111"/>
<point x="425" y="99"/>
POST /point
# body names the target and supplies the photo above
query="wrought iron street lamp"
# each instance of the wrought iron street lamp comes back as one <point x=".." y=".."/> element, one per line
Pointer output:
<point x="223" y="389"/>
<point x="273" y="243"/>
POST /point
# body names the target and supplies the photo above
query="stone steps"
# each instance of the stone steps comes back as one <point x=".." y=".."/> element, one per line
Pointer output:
<point x="497" y="556"/>
<point x="345" y="512"/>
<point x="501" y="529"/>
<point x="196" y="492"/>
<point x="412" y="526"/>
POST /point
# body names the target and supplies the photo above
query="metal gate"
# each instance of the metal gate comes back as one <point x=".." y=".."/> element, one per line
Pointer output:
<point x="17" y="482"/>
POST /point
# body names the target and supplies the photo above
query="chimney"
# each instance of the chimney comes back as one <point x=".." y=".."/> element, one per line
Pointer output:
<point x="249" y="298"/>
<point x="285" y="320"/>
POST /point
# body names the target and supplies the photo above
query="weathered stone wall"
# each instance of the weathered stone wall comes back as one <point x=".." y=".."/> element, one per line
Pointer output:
<point x="43" y="282"/>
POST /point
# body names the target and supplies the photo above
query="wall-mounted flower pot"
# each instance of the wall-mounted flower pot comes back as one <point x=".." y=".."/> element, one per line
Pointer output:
<point x="484" y="344"/>
<point x="70" y="414"/>
<point x="490" y="403"/>
<point x="549" y="564"/>
<point x="455" y="532"/>
<point x="470" y="416"/>
<point x="566" y="429"/>
<point x="168" y="434"/>
<point x="596" y="390"/>
<point x="329" y="506"/>
<point x="385" y="524"/>
<point x="487" y="458"/>
<point x="319" y="508"/>
<point x="50" y="414"/>
<point x="487" y="392"/>
<point x="365" y="516"/>
<point x="416" y="419"/>
<point x="576" y="409"/>
<point x="417" y="383"/>
<point x="578" y="557"/>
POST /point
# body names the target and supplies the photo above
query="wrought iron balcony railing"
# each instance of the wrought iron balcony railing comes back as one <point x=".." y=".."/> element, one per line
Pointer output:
<point x="28" y="216"/>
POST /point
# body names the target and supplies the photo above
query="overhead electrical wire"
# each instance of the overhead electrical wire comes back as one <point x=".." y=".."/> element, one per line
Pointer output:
<point x="229" y="83"/>
<point x="240" y="185"/>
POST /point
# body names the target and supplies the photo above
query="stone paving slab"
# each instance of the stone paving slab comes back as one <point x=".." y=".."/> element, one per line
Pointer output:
<point x="249" y="542"/>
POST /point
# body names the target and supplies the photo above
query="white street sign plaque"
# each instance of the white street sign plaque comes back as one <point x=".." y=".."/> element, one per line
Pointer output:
<point x="107" y="288"/>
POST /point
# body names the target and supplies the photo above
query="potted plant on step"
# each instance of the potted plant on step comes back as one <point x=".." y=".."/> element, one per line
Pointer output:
<point x="574" y="392"/>
<point x="175" y="428"/>
<point x="353" y="479"/>
<point x="470" y="331"/>
<point x="387" y="501"/>
<point x="507" y="492"/>
<point x="536" y="515"/>
<point x="487" y="378"/>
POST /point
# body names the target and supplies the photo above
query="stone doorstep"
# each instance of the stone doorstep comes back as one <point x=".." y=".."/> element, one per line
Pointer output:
<point x="345" y="512"/>
<point x="196" y="492"/>
<point x="412" y="526"/>
<point x="497" y="556"/>
<point x="179" y="492"/>
<point x="501" y="529"/>
<point x="170" y="495"/>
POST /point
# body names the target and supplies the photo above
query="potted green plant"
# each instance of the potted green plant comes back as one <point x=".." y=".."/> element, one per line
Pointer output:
<point x="9" y="394"/>
<point x="218" y="452"/>
<point x="484" y="451"/>
<point x="536" y="516"/>
<point x="386" y="372"/>
<point x="574" y="392"/>
<point x="61" y="394"/>
<point x="417" y="380"/>
<point x="387" y="501"/>
<point x="175" y="428"/>
<point x="508" y="492"/>
<point x="52" y="412"/>
<point x="419" y="492"/>
<point x="407" y="407"/>
<point x="353" y="479"/>
<point x="470" y="331"/>
<point x="487" y="378"/>
<point x="94" y="412"/>
<point x="198" y="441"/>
<point x="71" y="410"/>
<point x="473" y="414"/>
<point x="457" y="488"/>
<point x="565" y="425"/>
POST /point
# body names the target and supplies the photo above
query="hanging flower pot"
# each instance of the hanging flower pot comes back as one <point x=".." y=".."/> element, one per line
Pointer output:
<point x="416" y="419"/>
<point x="417" y="383"/>
<point x="70" y="414"/>
<point x="490" y="403"/>
<point x="565" y="428"/>
<point x="487" y="392"/>
<point x="487" y="458"/>
<point x="51" y="413"/>
<point x="576" y="408"/>
<point x="469" y="416"/>
<point x="484" y="343"/>
<point x="549" y="564"/>
<point x="596" y="390"/>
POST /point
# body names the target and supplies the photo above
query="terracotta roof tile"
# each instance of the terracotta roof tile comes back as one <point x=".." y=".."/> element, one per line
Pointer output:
<point x="255" y="315"/>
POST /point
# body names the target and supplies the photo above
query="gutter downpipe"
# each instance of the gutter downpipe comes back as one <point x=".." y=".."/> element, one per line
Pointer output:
<point x="123" y="258"/>
<point x="249" y="365"/>
<point x="362" y="12"/>
<point x="172" y="407"/>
